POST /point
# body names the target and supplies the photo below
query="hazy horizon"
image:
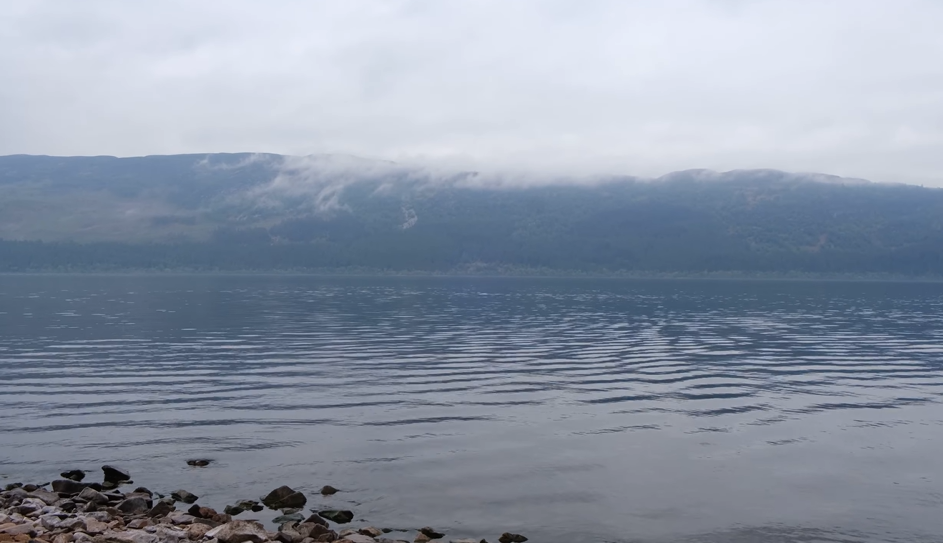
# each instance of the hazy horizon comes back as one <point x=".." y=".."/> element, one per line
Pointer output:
<point x="840" y="87"/>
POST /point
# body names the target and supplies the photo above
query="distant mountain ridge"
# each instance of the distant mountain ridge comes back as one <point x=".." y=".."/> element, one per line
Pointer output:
<point x="269" y="212"/>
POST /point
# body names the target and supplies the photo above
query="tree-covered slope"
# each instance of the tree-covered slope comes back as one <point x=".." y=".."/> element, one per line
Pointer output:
<point x="267" y="212"/>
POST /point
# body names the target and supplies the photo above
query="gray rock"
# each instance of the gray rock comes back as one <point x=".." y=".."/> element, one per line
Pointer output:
<point x="68" y="487"/>
<point x="508" y="537"/>
<point x="239" y="531"/>
<point x="73" y="474"/>
<point x="30" y="505"/>
<point x="142" y="490"/>
<point x="49" y="522"/>
<point x="133" y="506"/>
<point x="20" y="529"/>
<point x="233" y="510"/>
<point x="95" y="526"/>
<point x="161" y="509"/>
<point x="287" y="534"/>
<point x="184" y="496"/>
<point x="469" y="540"/>
<point x="358" y="538"/>
<point x="72" y="524"/>
<point x="115" y="475"/>
<point x="92" y="495"/>
<point x="284" y="496"/>
<point x="17" y="494"/>
<point x="328" y="490"/>
<point x="114" y="496"/>
<point x="371" y="531"/>
<point x="273" y="498"/>
<point x="45" y="496"/>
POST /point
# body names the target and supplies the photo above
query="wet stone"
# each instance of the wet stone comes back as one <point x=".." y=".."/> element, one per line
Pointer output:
<point x="340" y="517"/>
<point x="116" y="475"/>
<point x="73" y="474"/>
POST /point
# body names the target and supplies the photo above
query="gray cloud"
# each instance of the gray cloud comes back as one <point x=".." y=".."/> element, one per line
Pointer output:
<point x="851" y="87"/>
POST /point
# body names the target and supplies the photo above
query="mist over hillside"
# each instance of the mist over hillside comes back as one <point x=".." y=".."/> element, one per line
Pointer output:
<point x="272" y="212"/>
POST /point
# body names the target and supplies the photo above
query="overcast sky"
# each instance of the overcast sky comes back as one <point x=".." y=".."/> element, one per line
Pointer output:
<point x="851" y="87"/>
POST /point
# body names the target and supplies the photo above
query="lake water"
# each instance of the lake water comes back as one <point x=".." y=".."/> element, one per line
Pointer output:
<point x="566" y="410"/>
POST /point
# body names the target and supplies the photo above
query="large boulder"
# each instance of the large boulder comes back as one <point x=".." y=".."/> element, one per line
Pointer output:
<point x="133" y="506"/>
<point x="68" y="487"/>
<point x="161" y="509"/>
<point x="91" y="495"/>
<point x="284" y="497"/>
<point x="45" y="496"/>
<point x="238" y="531"/>
<point x="115" y="476"/>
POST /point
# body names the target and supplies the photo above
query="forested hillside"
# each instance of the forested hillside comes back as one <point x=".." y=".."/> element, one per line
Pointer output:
<point x="268" y="212"/>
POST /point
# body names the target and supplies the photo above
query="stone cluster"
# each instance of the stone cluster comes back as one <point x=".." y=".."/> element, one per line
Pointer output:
<point x="69" y="510"/>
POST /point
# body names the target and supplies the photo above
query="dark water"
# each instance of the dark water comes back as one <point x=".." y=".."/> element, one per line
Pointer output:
<point x="565" y="410"/>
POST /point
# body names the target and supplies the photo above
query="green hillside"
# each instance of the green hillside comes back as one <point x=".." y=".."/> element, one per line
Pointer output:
<point x="268" y="212"/>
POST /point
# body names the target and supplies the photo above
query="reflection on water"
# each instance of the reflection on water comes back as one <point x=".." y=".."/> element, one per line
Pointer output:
<point x="569" y="410"/>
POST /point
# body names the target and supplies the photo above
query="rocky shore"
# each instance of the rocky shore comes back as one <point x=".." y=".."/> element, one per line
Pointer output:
<point x="69" y="510"/>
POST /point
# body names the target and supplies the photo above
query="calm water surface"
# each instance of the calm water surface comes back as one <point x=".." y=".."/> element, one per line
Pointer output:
<point x="567" y="410"/>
